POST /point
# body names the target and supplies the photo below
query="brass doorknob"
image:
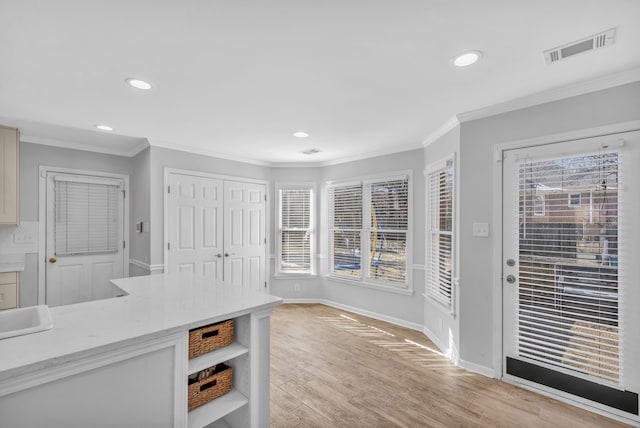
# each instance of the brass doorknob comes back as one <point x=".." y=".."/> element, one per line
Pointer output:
<point x="52" y="260"/>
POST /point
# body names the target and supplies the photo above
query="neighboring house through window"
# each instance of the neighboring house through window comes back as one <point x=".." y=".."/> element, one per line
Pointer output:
<point x="369" y="230"/>
<point x="296" y="229"/>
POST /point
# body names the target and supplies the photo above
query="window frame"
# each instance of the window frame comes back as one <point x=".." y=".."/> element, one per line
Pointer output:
<point x="437" y="168"/>
<point x="312" y="229"/>
<point x="365" y="280"/>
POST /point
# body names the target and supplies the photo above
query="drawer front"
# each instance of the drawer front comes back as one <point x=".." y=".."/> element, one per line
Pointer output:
<point x="8" y="296"/>
<point x="8" y="277"/>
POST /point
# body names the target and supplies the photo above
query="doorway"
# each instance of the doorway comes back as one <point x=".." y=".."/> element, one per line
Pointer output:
<point x="84" y="228"/>
<point x="570" y="270"/>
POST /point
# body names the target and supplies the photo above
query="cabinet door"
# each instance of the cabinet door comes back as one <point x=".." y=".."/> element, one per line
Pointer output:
<point x="9" y="175"/>
<point x="8" y="290"/>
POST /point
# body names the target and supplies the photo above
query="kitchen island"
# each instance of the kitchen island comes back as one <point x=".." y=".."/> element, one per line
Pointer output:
<point x="124" y="361"/>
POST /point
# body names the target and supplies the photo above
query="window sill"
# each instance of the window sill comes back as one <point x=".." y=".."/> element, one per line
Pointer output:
<point x="371" y="285"/>
<point x="295" y="276"/>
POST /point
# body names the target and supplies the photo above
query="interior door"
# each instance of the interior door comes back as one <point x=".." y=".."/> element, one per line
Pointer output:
<point x="85" y="237"/>
<point x="245" y="237"/>
<point x="195" y="225"/>
<point x="570" y="269"/>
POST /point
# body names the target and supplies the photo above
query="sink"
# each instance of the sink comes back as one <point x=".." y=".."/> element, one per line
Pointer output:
<point x="32" y="319"/>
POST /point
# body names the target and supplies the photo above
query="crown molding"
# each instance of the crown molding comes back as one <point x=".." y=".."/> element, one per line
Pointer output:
<point x="84" y="147"/>
<point x="442" y="130"/>
<point x="555" y="94"/>
<point x="206" y="152"/>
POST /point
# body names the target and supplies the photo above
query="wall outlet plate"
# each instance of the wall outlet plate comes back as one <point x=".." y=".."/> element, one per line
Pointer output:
<point x="481" y="230"/>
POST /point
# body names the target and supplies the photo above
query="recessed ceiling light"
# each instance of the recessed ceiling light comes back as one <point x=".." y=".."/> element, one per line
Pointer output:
<point x="104" y="127"/>
<point x="300" y="134"/>
<point x="467" y="58"/>
<point x="139" y="84"/>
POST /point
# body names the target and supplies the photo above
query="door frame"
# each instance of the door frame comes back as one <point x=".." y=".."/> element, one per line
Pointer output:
<point x="498" y="256"/>
<point x="42" y="220"/>
<point x="268" y="257"/>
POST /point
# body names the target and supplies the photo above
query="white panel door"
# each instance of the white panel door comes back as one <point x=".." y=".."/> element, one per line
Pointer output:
<point x="244" y="240"/>
<point x="76" y="271"/>
<point x="195" y="225"/>
<point x="570" y="291"/>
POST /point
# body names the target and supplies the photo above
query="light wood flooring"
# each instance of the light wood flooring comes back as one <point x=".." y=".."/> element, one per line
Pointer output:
<point x="332" y="368"/>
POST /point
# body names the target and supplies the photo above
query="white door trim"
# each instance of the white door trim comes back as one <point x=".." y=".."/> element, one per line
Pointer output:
<point x="497" y="300"/>
<point x="42" y="219"/>
<point x="165" y="199"/>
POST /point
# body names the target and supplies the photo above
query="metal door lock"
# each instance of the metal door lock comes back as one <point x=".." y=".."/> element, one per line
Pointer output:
<point x="511" y="279"/>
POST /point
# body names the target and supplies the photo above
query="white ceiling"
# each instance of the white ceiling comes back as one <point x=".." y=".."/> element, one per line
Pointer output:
<point x="236" y="78"/>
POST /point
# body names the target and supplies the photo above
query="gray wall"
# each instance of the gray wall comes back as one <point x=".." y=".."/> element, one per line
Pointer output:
<point x="477" y="140"/>
<point x="140" y="210"/>
<point x="32" y="156"/>
<point x="402" y="307"/>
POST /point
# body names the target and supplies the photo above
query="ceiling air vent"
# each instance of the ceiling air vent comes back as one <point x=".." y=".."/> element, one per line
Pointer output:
<point x="311" y="152"/>
<point x="597" y="41"/>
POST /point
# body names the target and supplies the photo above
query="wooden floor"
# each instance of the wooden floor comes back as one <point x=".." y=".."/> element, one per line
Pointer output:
<point x="332" y="368"/>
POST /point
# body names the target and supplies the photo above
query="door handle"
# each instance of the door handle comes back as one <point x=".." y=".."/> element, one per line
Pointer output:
<point x="511" y="279"/>
<point x="52" y="260"/>
<point x="218" y="255"/>
<point x="227" y="254"/>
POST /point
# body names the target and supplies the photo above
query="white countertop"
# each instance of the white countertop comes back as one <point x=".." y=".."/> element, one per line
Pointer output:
<point x="156" y="305"/>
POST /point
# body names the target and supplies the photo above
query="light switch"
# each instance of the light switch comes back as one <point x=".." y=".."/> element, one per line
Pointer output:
<point x="481" y="229"/>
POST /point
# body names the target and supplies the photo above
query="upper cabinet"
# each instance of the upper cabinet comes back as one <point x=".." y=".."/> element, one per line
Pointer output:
<point x="9" y="175"/>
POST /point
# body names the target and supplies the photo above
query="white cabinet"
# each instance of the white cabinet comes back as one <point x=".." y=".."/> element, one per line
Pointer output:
<point x="9" y="290"/>
<point x="9" y="175"/>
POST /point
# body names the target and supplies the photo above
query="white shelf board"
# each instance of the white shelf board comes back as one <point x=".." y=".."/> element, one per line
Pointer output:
<point x="220" y="423"/>
<point x="218" y="356"/>
<point x="216" y="409"/>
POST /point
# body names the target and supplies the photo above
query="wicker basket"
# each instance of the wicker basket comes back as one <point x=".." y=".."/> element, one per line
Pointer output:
<point x="210" y="388"/>
<point x="209" y="338"/>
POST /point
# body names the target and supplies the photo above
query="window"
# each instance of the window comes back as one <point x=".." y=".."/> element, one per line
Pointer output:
<point x="538" y="205"/>
<point x="574" y="200"/>
<point x="440" y="231"/>
<point x="296" y="229"/>
<point x="369" y="230"/>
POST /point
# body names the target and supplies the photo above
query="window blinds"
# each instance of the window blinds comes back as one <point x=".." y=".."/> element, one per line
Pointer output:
<point x="86" y="216"/>
<point x="568" y="292"/>
<point x="440" y="234"/>
<point x="295" y="230"/>
<point x="389" y="222"/>
<point x="345" y="228"/>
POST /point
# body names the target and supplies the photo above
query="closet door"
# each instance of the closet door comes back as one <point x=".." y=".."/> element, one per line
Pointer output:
<point x="245" y="237"/>
<point x="195" y="225"/>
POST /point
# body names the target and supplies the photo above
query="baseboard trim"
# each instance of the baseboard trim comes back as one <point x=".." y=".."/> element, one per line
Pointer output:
<point x="477" y="368"/>
<point x="149" y="268"/>
<point x="374" y="315"/>
<point x="441" y="347"/>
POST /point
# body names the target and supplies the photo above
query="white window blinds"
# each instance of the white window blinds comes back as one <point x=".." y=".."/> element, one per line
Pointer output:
<point x="389" y="222"/>
<point x="296" y="230"/>
<point x="345" y="229"/>
<point x="568" y="293"/>
<point x="369" y="230"/>
<point x="440" y="238"/>
<point x="86" y="216"/>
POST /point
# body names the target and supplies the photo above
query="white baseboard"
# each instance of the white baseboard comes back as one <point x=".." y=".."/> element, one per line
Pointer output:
<point x="375" y="315"/>
<point x="152" y="269"/>
<point x="477" y="368"/>
<point x="441" y="346"/>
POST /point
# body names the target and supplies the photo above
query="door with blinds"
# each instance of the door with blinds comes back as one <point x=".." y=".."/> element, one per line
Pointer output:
<point x="571" y="273"/>
<point x="85" y="237"/>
